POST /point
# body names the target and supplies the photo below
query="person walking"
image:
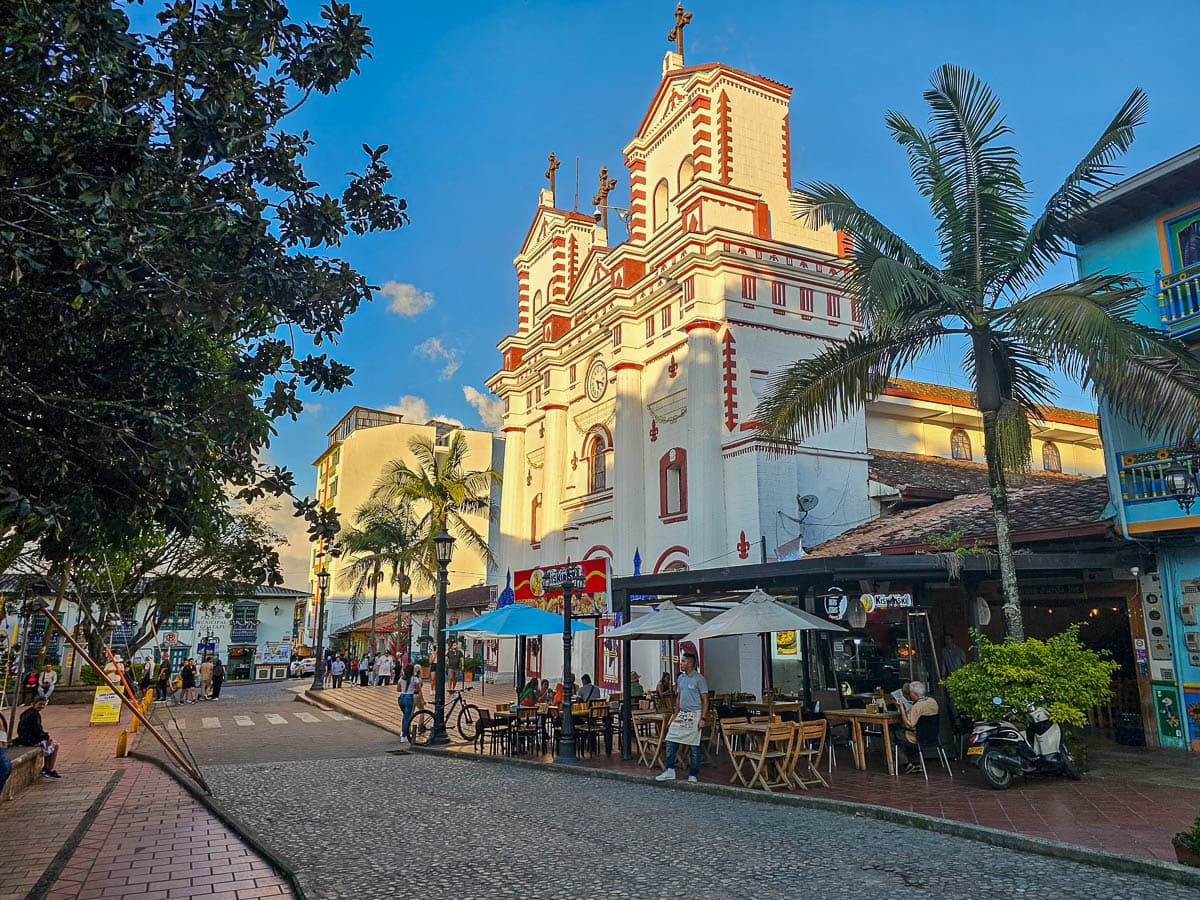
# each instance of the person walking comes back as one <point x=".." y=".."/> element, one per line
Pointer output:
<point x="162" y="684"/>
<point x="364" y="671"/>
<point x="691" y="710"/>
<point x="187" y="681"/>
<point x="218" y="678"/>
<point x="206" y="676"/>
<point x="354" y="670"/>
<point x="338" y="669"/>
<point x="407" y="686"/>
<point x="47" y="682"/>
<point x="327" y="665"/>
<point x="454" y="662"/>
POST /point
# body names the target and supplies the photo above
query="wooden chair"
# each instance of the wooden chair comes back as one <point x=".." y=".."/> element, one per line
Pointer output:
<point x="592" y="728"/>
<point x="495" y="730"/>
<point x="735" y="746"/>
<point x="527" y="729"/>
<point x="771" y="758"/>
<point x="806" y="754"/>
<point x="648" y="741"/>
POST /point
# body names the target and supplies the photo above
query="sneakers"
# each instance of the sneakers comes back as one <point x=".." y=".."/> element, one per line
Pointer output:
<point x="910" y="768"/>
<point x="50" y="773"/>
<point x="692" y="779"/>
<point x="665" y="775"/>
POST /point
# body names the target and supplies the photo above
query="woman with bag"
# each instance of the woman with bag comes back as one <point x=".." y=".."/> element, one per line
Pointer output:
<point x="408" y="686"/>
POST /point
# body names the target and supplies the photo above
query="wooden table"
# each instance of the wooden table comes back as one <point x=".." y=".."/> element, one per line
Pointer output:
<point x="650" y="750"/>
<point x="856" y="718"/>
<point x="753" y="730"/>
<point x="769" y="709"/>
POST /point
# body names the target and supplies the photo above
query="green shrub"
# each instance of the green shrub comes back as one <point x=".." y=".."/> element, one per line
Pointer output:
<point x="1190" y="839"/>
<point x="1069" y="677"/>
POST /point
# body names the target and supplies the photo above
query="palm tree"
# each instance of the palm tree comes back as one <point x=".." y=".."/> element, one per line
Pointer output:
<point x="985" y="289"/>
<point x="386" y="536"/>
<point x="447" y="493"/>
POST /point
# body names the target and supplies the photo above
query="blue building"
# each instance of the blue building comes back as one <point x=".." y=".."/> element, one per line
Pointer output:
<point x="1149" y="226"/>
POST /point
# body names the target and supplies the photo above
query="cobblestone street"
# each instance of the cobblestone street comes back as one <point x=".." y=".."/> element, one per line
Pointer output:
<point x="433" y="827"/>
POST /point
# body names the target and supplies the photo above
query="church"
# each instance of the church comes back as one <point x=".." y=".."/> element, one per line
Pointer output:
<point x="631" y="379"/>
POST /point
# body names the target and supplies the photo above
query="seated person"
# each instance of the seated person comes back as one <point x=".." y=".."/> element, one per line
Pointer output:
<point x="545" y="694"/>
<point x="666" y="688"/>
<point x="529" y="693"/>
<point x="30" y="733"/>
<point x="906" y="740"/>
<point x="635" y="685"/>
<point x="589" y="691"/>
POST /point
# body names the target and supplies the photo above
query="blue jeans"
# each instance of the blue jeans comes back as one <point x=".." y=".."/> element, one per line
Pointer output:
<point x="406" y="707"/>
<point x="5" y="767"/>
<point x="672" y="752"/>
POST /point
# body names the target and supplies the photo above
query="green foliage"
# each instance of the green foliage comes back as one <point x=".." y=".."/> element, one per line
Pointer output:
<point x="1190" y="839"/>
<point x="1067" y="676"/>
<point x="167" y="267"/>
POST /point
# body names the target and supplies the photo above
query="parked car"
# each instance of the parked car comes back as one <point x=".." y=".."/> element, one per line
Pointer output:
<point x="302" y="667"/>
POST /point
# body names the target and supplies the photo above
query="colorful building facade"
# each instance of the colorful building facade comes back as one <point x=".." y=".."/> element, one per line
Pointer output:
<point x="1149" y="226"/>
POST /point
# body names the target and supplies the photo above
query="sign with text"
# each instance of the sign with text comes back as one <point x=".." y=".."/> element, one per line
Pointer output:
<point x="836" y="600"/>
<point x="106" y="708"/>
<point x="542" y="587"/>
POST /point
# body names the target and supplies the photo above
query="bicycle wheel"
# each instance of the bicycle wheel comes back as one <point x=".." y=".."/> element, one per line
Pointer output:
<point x="421" y="727"/>
<point x="468" y="721"/>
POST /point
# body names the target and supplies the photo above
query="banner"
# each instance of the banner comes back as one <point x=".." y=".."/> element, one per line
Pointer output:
<point x="273" y="653"/>
<point x="542" y="587"/>
<point x="106" y="708"/>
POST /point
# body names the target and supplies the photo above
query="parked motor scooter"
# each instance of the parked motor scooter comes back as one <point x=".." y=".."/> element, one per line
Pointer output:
<point x="1004" y="749"/>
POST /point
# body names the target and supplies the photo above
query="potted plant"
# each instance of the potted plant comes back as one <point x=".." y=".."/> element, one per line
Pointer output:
<point x="1187" y="845"/>
<point x="470" y="667"/>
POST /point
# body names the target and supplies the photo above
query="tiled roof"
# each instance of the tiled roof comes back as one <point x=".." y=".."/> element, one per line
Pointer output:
<point x="923" y="390"/>
<point x="932" y="478"/>
<point x="1036" y="512"/>
<point x="478" y="597"/>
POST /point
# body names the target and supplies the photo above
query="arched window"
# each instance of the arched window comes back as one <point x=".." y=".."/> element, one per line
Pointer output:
<point x="960" y="444"/>
<point x="598" y="464"/>
<point x="537" y="301"/>
<point x="661" y="210"/>
<point x="672" y="484"/>
<point x="687" y="172"/>
<point x="1051" y="460"/>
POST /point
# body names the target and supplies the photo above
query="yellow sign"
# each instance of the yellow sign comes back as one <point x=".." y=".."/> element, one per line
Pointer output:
<point x="106" y="707"/>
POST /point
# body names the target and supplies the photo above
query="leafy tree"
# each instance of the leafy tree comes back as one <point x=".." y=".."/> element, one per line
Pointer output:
<point x="442" y="494"/>
<point x="161" y="250"/>
<point x="385" y="537"/>
<point x="1060" y="671"/>
<point x="993" y="253"/>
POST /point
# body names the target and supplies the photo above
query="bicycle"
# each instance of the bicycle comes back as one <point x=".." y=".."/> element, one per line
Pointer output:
<point x="420" y="729"/>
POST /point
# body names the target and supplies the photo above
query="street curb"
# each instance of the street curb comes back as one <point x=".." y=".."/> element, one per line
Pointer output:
<point x="1117" y="862"/>
<point x="280" y="863"/>
<point x="352" y="713"/>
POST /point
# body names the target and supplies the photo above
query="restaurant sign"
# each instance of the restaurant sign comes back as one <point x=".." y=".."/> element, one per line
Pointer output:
<point x="542" y="587"/>
<point x="837" y="600"/>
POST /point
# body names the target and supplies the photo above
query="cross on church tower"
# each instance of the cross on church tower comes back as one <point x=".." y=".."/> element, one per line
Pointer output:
<point x="601" y="199"/>
<point x="682" y="20"/>
<point x="554" y="164"/>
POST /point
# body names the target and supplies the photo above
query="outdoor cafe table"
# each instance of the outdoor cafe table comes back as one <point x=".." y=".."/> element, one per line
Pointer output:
<point x="766" y="709"/>
<point x="857" y="718"/>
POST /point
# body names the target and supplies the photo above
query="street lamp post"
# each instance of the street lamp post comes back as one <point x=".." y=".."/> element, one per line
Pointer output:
<point x="444" y="548"/>
<point x="322" y="587"/>
<point x="566" y="743"/>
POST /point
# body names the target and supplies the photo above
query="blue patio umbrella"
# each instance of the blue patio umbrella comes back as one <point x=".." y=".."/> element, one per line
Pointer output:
<point x="518" y="620"/>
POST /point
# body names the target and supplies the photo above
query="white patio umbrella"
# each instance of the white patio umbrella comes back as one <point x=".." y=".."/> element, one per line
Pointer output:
<point x="667" y="621"/>
<point x="760" y="613"/>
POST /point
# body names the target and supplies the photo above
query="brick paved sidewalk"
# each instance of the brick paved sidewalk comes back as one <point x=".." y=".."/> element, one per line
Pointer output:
<point x="1129" y="804"/>
<point x="119" y="828"/>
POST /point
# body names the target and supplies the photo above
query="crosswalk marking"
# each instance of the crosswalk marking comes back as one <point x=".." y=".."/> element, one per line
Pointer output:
<point x="276" y="719"/>
<point x="337" y="716"/>
<point x="306" y="717"/>
<point x="243" y="720"/>
<point x="210" y="722"/>
<point x="178" y="723"/>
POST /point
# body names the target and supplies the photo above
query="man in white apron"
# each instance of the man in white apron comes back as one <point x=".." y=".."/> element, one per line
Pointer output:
<point x="691" y="710"/>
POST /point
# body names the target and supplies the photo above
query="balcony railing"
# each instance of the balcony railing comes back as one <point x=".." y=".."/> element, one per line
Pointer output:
<point x="1143" y="473"/>
<point x="1179" y="301"/>
<point x="243" y="632"/>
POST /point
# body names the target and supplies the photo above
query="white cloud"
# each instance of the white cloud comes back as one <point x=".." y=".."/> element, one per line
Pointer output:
<point x="416" y="411"/>
<point x="312" y="408"/>
<point x="406" y="299"/>
<point x="490" y="409"/>
<point x="434" y="349"/>
<point x="276" y="512"/>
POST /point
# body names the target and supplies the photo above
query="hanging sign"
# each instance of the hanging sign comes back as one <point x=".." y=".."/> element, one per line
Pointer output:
<point x="542" y="587"/>
<point x="106" y="707"/>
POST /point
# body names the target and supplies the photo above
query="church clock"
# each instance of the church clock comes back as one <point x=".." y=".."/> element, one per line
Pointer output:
<point x="597" y="380"/>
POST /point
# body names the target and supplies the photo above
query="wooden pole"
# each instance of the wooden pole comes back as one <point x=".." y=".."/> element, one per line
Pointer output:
<point x="133" y="707"/>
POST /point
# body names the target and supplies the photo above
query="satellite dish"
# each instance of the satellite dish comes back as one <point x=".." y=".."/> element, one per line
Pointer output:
<point x="808" y="502"/>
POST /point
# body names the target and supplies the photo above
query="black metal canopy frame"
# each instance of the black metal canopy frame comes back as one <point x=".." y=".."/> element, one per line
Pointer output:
<point x="795" y="577"/>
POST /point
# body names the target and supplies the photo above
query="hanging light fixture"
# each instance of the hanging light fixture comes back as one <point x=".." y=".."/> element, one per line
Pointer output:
<point x="856" y="613"/>
<point x="983" y="612"/>
<point x="1180" y="482"/>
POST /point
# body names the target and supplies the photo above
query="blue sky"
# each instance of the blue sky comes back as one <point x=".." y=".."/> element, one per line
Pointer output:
<point x="471" y="97"/>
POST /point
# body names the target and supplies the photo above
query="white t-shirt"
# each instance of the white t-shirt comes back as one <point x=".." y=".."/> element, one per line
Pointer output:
<point x="411" y="686"/>
<point x="385" y="665"/>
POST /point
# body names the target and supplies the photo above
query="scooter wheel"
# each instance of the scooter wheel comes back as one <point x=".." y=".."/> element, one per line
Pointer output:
<point x="995" y="775"/>
<point x="1070" y="767"/>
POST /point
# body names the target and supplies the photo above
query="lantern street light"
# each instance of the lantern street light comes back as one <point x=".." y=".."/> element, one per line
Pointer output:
<point x="566" y="743"/>
<point x="443" y="548"/>
<point x="322" y="591"/>
<point x="1180" y="482"/>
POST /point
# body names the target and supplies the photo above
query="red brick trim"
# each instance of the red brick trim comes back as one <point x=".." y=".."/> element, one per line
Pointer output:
<point x="702" y="323"/>
<point x="662" y="560"/>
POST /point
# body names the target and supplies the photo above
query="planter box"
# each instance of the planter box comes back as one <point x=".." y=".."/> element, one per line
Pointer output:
<point x="1185" y="856"/>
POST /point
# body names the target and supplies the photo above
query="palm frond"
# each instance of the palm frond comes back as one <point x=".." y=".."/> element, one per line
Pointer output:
<point x="819" y="393"/>
<point x="1048" y="239"/>
<point x="1084" y="328"/>
<point x="896" y="296"/>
